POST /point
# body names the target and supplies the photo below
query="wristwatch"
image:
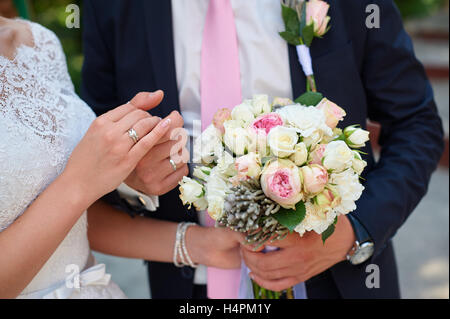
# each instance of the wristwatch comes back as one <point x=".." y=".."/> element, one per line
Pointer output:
<point x="363" y="247"/>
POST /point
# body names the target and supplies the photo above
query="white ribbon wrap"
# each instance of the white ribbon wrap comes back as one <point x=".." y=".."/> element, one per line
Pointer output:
<point x="304" y="57"/>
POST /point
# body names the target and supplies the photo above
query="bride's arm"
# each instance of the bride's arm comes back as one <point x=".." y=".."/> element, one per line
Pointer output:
<point x="112" y="232"/>
<point x="101" y="161"/>
<point x="30" y="241"/>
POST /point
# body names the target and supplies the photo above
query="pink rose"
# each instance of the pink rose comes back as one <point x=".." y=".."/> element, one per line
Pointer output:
<point x="220" y="117"/>
<point x="315" y="177"/>
<point x="247" y="166"/>
<point x="317" y="155"/>
<point x="267" y="122"/>
<point x="280" y="181"/>
<point x="333" y="113"/>
<point x="316" y="12"/>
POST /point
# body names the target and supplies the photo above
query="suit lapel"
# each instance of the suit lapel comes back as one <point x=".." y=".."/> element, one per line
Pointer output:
<point x="158" y="15"/>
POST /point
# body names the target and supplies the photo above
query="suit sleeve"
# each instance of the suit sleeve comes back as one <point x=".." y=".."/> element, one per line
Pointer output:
<point x="98" y="79"/>
<point x="400" y="98"/>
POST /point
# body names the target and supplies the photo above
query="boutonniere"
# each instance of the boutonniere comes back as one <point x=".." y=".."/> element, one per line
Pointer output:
<point x="304" y="21"/>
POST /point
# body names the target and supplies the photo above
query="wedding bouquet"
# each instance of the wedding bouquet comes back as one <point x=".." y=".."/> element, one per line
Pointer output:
<point x="270" y="169"/>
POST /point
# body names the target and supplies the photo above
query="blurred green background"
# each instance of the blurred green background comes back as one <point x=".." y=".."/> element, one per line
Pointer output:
<point x="52" y="14"/>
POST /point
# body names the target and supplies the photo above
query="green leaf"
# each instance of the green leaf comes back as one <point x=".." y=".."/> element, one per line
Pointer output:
<point x="308" y="34"/>
<point x="290" y="218"/>
<point x="206" y="172"/>
<point x="310" y="98"/>
<point x="329" y="231"/>
<point x="291" y="21"/>
<point x="290" y="38"/>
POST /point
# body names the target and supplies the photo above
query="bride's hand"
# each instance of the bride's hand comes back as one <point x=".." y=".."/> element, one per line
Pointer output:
<point x="215" y="247"/>
<point x="107" y="154"/>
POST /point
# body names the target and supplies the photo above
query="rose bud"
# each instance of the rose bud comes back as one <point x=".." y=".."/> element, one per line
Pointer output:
<point x="333" y="113"/>
<point x="327" y="200"/>
<point x="358" y="163"/>
<point x="316" y="13"/>
<point x="220" y="117"/>
<point x="301" y="154"/>
<point x="356" y="137"/>
<point x="248" y="166"/>
<point x="315" y="177"/>
<point x="317" y="154"/>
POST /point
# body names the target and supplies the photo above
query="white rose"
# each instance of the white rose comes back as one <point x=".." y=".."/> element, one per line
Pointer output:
<point x="192" y="192"/>
<point x="301" y="154"/>
<point x="216" y="190"/>
<point x="206" y="145"/>
<point x="315" y="220"/>
<point x="236" y="138"/>
<point x="215" y="207"/>
<point x="260" y="104"/>
<point x="337" y="156"/>
<point x="356" y="137"/>
<point x="243" y="113"/>
<point x="358" y="163"/>
<point x="225" y="164"/>
<point x="349" y="188"/>
<point x="307" y="120"/>
<point x="282" y="140"/>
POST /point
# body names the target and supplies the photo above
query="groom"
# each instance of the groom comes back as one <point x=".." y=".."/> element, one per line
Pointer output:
<point x="372" y="73"/>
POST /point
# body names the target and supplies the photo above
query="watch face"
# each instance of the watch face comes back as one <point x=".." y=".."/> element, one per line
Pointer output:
<point x="363" y="253"/>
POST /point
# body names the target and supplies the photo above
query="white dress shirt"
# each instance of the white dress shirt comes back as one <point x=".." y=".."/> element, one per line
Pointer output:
<point x="263" y="56"/>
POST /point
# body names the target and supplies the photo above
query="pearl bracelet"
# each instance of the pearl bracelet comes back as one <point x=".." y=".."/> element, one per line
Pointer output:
<point x="180" y="251"/>
<point x="175" y="250"/>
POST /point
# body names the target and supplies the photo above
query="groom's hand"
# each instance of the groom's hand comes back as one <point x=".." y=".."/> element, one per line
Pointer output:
<point x="299" y="258"/>
<point x="155" y="175"/>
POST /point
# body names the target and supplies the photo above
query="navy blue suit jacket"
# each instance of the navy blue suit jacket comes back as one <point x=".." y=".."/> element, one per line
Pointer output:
<point x="372" y="73"/>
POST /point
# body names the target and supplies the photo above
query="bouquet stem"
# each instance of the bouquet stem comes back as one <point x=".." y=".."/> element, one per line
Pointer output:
<point x="262" y="293"/>
<point x="311" y="84"/>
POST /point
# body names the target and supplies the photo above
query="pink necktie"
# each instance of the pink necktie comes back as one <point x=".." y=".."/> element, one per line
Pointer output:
<point x="220" y="87"/>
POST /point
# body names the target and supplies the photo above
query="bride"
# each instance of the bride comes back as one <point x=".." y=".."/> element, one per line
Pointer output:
<point x="56" y="161"/>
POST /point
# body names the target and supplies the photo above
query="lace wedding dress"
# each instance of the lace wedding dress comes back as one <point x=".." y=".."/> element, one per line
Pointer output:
<point x="41" y="121"/>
